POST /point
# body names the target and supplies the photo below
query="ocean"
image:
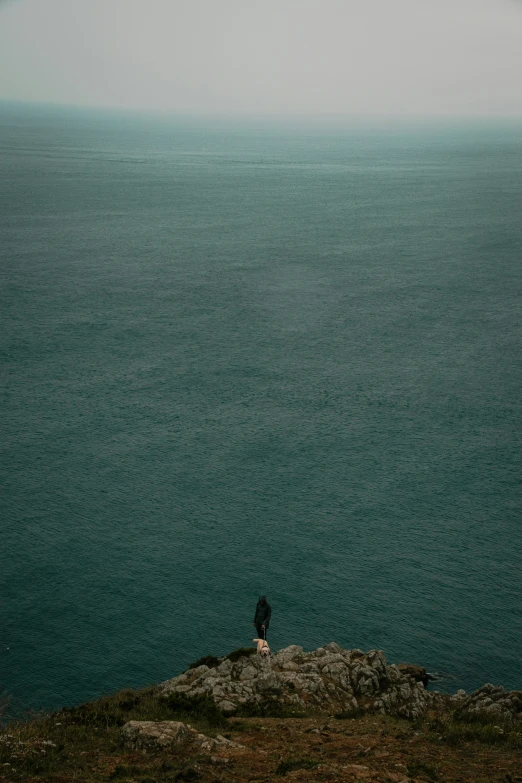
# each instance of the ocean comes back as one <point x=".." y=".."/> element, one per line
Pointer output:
<point x="245" y="356"/>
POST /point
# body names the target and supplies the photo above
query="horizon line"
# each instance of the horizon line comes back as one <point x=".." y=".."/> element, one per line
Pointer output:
<point x="234" y="114"/>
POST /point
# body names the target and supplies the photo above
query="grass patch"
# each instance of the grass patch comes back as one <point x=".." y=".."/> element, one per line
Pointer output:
<point x="200" y="709"/>
<point x="289" y="765"/>
<point x="5" y="707"/>
<point x="268" y="708"/>
<point x="78" y="743"/>
<point x="240" y="726"/>
<point x="416" y="767"/>
<point x="456" y="733"/>
<point x="456" y="729"/>
<point x="208" y="660"/>
<point x="129" y="705"/>
<point x="481" y="718"/>
<point x="187" y="774"/>
<point x="124" y="771"/>
<point x="212" y="662"/>
<point x="116" y="710"/>
<point x="356" y="712"/>
<point x="241" y="652"/>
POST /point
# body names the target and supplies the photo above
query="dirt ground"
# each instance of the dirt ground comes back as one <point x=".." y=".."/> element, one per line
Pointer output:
<point x="369" y="748"/>
<point x="372" y="749"/>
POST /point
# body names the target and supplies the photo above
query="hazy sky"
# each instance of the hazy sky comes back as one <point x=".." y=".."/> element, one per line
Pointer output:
<point x="278" y="56"/>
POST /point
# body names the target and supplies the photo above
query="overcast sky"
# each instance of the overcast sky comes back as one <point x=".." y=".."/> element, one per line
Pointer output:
<point x="274" y="56"/>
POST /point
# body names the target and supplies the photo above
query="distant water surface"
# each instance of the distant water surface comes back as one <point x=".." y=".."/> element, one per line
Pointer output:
<point x="252" y="357"/>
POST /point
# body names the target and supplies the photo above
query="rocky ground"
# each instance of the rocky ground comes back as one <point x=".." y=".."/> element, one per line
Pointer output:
<point x="330" y="679"/>
<point x="327" y="715"/>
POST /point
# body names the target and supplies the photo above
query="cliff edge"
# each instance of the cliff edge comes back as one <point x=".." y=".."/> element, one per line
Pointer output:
<point x="333" y="680"/>
<point x="327" y="715"/>
<point x="329" y="679"/>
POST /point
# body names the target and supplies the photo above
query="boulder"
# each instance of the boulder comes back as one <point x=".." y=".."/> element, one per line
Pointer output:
<point x="418" y="673"/>
<point x="161" y="735"/>
<point x="490" y="701"/>
<point x="166" y="735"/>
<point x="330" y="678"/>
<point x="405" y="698"/>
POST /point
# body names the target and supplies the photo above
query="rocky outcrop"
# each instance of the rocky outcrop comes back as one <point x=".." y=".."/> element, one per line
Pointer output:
<point x="167" y="734"/>
<point x="403" y="696"/>
<point x="490" y="701"/>
<point x="329" y="678"/>
<point x="418" y="673"/>
<point x="161" y="735"/>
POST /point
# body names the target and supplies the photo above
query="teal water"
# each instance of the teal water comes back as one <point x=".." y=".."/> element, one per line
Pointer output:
<point x="243" y="357"/>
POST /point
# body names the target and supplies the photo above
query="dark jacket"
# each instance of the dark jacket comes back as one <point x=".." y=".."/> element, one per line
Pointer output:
<point x="263" y="612"/>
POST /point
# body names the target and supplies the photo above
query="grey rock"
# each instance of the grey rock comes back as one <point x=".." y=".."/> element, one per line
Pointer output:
<point x="404" y="698"/>
<point x="224" y="741"/>
<point x="158" y="734"/>
<point x="393" y="673"/>
<point x="194" y="673"/>
<point x="457" y="697"/>
<point x="224" y="668"/>
<point x="329" y="677"/>
<point x="227" y="706"/>
<point x="269" y="684"/>
<point x="292" y="651"/>
<point x="418" y="673"/>
<point x="490" y="700"/>
<point x="333" y="647"/>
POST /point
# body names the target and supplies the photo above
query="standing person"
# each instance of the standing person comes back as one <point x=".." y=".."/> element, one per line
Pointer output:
<point x="262" y="617"/>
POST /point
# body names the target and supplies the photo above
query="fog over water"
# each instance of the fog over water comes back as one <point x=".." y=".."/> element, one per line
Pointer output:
<point x="279" y="56"/>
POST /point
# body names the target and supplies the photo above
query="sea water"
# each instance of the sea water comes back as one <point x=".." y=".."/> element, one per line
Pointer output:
<point x="254" y="356"/>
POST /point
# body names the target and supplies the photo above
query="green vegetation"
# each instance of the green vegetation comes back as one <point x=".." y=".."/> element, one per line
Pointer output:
<point x="84" y="744"/>
<point x="417" y="767"/>
<point x="455" y="728"/>
<point x="357" y="712"/>
<point x="67" y="741"/>
<point x="143" y="705"/>
<point x="208" y="660"/>
<point x="200" y="709"/>
<point x="211" y="661"/>
<point x="241" y="652"/>
<point x="241" y="725"/>
<point x="289" y="765"/>
<point x="5" y="703"/>
<point x="268" y="708"/>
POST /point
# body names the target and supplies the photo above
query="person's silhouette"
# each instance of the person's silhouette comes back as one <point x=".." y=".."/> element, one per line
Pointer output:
<point x="262" y="617"/>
